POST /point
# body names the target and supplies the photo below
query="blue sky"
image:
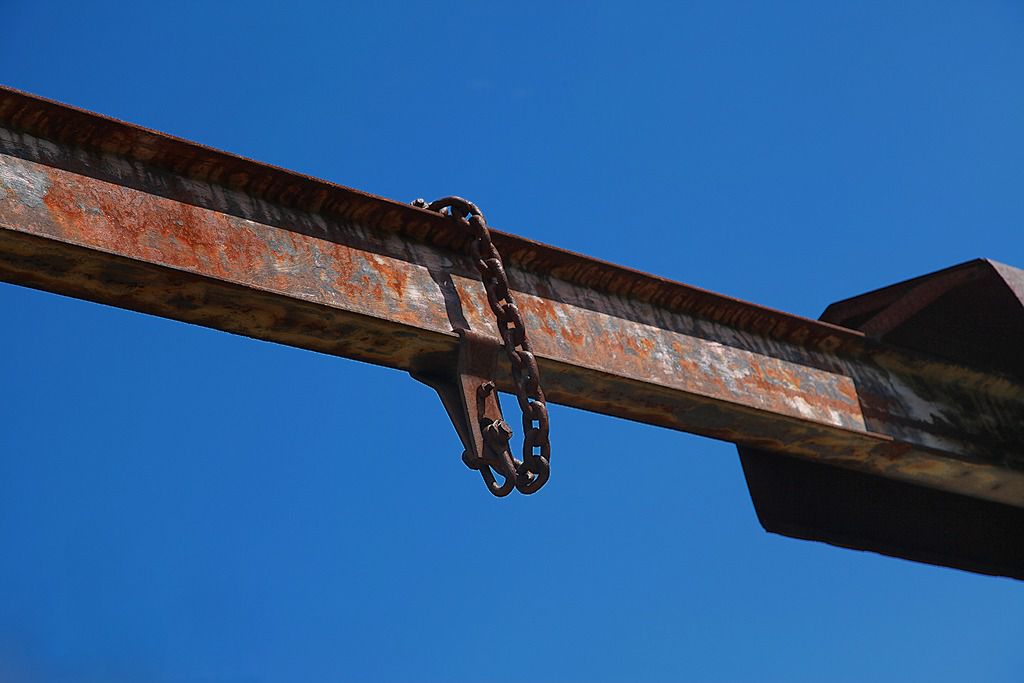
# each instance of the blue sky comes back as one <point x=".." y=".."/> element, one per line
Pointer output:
<point x="181" y="505"/>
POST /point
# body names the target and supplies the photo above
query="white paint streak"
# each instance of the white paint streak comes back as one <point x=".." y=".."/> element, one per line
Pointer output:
<point x="26" y="183"/>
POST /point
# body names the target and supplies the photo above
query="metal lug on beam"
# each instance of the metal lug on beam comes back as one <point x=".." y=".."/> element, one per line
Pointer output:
<point x="470" y="398"/>
<point x="971" y="313"/>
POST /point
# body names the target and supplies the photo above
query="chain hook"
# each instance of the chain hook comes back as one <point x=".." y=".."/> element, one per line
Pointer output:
<point x="496" y="456"/>
<point x="468" y="394"/>
<point x="530" y="474"/>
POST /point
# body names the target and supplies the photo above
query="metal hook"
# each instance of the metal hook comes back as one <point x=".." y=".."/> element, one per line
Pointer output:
<point x="471" y="401"/>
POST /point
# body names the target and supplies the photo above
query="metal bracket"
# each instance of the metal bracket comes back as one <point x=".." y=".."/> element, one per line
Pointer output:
<point x="470" y="398"/>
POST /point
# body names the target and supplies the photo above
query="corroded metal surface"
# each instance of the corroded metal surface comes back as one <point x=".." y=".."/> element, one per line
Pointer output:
<point x="97" y="209"/>
<point x="534" y="470"/>
<point x="971" y="313"/>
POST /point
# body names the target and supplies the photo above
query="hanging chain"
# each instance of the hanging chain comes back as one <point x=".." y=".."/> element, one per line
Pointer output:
<point x="535" y="468"/>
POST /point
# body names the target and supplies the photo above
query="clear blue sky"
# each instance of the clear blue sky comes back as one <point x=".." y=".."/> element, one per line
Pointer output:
<point x="180" y="505"/>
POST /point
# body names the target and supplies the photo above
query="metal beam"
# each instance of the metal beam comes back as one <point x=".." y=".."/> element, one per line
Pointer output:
<point x="106" y="211"/>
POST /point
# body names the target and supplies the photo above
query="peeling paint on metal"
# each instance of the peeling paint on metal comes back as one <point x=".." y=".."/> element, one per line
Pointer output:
<point x="338" y="272"/>
<point x="29" y="185"/>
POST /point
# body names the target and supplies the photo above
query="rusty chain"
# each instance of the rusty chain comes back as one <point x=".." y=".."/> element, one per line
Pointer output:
<point x="535" y="468"/>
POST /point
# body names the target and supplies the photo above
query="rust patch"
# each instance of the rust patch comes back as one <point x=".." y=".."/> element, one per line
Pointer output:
<point x="602" y="332"/>
<point x="89" y="132"/>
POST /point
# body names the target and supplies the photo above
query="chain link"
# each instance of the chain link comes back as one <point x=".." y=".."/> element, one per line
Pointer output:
<point x="535" y="468"/>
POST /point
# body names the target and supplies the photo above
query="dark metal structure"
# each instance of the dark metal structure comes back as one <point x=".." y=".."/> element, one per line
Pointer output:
<point x="972" y="314"/>
<point x="916" y="390"/>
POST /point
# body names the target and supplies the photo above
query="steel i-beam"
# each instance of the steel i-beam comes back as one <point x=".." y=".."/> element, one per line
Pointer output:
<point x="102" y="210"/>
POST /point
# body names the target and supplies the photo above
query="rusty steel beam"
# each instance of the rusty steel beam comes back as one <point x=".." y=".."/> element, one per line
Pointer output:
<point x="101" y="210"/>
